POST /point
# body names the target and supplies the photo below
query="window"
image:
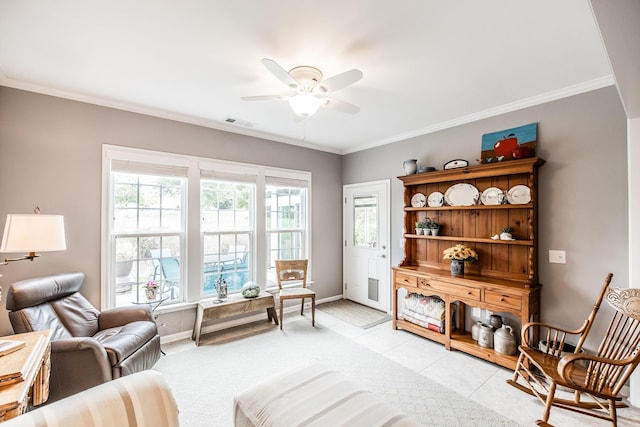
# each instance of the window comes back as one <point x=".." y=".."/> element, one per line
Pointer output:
<point x="147" y="234"/>
<point x="186" y="222"/>
<point x="285" y="224"/>
<point x="227" y="224"/>
<point x="365" y="221"/>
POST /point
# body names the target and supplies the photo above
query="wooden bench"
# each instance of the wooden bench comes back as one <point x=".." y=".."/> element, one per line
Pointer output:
<point x="233" y="306"/>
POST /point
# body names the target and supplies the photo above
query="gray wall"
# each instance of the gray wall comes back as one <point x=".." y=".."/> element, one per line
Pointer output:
<point x="582" y="190"/>
<point x="50" y="156"/>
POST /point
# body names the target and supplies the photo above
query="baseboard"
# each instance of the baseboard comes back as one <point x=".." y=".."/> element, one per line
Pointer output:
<point x="165" y="339"/>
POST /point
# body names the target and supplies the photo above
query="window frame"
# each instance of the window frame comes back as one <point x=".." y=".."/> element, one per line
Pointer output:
<point x="193" y="242"/>
<point x="222" y="233"/>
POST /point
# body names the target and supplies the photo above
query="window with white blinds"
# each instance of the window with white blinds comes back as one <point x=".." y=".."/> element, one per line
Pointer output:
<point x="160" y="207"/>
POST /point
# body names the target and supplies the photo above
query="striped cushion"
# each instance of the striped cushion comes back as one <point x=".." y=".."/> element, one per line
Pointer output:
<point x="140" y="399"/>
<point x="314" y="395"/>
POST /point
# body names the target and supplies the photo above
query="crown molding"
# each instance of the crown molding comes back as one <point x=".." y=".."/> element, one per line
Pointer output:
<point x="572" y="90"/>
<point x="154" y="112"/>
<point x="565" y="92"/>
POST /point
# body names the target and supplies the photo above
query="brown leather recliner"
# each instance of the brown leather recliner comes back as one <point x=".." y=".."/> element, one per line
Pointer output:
<point x="88" y="347"/>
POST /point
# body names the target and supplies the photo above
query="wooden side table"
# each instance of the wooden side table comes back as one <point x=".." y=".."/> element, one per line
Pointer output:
<point x="234" y="305"/>
<point x="24" y="374"/>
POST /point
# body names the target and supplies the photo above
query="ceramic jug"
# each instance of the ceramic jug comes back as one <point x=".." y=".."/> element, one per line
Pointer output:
<point x="495" y="321"/>
<point x="485" y="336"/>
<point x="410" y="166"/>
<point x="504" y="342"/>
<point x="475" y="329"/>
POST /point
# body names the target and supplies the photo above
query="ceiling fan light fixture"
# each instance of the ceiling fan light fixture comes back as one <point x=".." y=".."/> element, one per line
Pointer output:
<point x="305" y="104"/>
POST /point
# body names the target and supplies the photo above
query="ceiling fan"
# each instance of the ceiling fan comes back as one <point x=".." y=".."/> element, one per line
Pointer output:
<point x="307" y="89"/>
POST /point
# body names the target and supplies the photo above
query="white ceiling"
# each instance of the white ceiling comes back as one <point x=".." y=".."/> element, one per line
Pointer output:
<point x="427" y="64"/>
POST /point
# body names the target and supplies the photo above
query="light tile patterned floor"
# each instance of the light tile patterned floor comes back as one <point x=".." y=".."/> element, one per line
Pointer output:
<point x="477" y="379"/>
<point x="481" y="381"/>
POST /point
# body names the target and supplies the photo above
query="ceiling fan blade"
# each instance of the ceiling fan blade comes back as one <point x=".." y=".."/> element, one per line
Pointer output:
<point x="265" y="98"/>
<point x="341" y="80"/>
<point x="280" y="73"/>
<point x="341" y="106"/>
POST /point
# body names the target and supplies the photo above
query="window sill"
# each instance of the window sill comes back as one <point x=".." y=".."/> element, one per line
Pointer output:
<point x="194" y="304"/>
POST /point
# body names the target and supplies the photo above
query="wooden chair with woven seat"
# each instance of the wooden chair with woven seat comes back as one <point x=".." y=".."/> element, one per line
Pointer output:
<point x="294" y="270"/>
<point x="544" y="368"/>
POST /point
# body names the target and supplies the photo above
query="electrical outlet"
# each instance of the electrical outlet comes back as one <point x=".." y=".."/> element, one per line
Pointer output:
<point x="557" y="257"/>
<point x="476" y="312"/>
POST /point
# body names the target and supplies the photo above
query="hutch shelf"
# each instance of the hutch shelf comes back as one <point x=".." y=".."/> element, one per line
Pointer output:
<point x="505" y="278"/>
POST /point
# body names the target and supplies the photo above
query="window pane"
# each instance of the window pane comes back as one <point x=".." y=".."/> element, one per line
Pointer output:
<point x="148" y="225"/>
<point x="285" y="218"/>
<point x="225" y="205"/>
<point x="226" y="256"/>
<point x="227" y="222"/>
<point x="143" y="259"/>
<point x="144" y="203"/>
<point x="285" y="207"/>
<point x="365" y="221"/>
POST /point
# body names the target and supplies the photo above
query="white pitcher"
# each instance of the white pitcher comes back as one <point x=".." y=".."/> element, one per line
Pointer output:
<point x="410" y="166"/>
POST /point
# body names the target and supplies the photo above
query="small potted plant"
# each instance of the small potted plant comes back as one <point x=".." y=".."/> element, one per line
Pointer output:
<point x="458" y="255"/>
<point x="151" y="289"/>
<point x="419" y="227"/>
<point x="506" y="233"/>
<point x="426" y="225"/>
<point x="435" y="227"/>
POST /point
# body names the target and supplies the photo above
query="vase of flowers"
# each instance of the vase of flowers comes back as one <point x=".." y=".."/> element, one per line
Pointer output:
<point x="458" y="255"/>
<point x="151" y="289"/>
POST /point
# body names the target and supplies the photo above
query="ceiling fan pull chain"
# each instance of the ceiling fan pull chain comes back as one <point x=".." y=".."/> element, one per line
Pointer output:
<point x="304" y="128"/>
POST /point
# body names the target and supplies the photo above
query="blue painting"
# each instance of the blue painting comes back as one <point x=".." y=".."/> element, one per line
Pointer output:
<point x="509" y="144"/>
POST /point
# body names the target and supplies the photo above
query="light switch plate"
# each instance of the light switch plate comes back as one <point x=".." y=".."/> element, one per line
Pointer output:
<point x="557" y="257"/>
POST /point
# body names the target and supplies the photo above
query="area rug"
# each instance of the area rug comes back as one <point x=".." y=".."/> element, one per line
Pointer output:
<point x="353" y="313"/>
<point x="205" y="379"/>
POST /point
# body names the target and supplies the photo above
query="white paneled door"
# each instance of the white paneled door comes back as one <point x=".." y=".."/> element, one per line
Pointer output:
<point x="366" y="263"/>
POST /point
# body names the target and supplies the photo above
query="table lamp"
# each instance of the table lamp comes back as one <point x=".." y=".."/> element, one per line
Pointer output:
<point x="32" y="233"/>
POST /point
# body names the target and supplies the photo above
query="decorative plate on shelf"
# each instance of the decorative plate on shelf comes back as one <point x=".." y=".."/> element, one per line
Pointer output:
<point x="462" y="195"/>
<point x="435" y="199"/>
<point x="492" y="196"/>
<point x="418" y="200"/>
<point x="519" y="195"/>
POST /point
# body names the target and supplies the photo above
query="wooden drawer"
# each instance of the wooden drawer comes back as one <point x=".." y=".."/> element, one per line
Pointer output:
<point x="502" y="299"/>
<point x="405" y="279"/>
<point x="461" y="291"/>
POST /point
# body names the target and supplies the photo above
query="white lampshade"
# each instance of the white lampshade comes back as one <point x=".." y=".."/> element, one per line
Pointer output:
<point x="33" y="233"/>
<point x="304" y="104"/>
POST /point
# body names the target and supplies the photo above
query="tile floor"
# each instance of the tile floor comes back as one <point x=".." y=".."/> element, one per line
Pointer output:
<point x="477" y="379"/>
<point x="474" y="378"/>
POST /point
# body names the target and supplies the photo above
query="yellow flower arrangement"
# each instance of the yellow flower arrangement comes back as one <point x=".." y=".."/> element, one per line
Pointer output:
<point x="460" y="252"/>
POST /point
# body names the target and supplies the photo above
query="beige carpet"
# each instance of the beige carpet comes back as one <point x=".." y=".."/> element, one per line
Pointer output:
<point x="205" y="379"/>
<point x="353" y="313"/>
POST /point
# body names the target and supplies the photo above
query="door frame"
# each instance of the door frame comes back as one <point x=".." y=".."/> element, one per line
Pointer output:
<point x="386" y="233"/>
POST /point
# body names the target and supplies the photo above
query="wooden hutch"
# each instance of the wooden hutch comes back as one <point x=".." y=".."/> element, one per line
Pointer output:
<point x="505" y="278"/>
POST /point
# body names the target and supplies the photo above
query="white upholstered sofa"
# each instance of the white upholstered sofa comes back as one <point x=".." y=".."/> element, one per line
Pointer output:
<point x="140" y="399"/>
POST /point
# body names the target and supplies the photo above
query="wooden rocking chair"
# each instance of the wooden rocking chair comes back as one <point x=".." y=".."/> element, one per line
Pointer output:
<point x="601" y="376"/>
